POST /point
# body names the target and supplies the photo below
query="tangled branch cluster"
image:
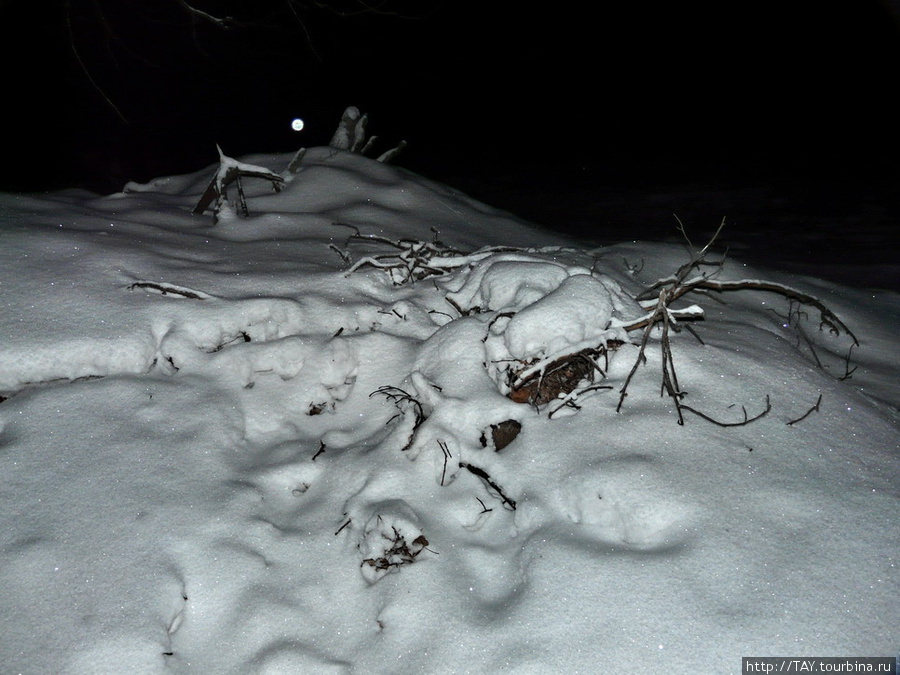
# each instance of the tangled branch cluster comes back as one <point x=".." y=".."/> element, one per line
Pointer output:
<point x="413" y="260"/>
<point x="560" y="380"/>
<point x="397" y="552"/>
<point x="689" y="278"/>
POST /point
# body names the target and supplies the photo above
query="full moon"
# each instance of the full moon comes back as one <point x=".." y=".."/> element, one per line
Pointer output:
<point x="297" y="124"/>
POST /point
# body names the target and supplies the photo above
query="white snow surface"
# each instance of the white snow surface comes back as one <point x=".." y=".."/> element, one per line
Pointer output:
<point x="213" y="479"/>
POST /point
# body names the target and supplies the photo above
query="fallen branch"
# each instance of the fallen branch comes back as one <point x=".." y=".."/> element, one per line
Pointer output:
<point x="342" y="527"/>
<point x="232" y="171"/>
<point x="568" y="402"/>
<point x="827" y="317"/>
<point x="415" y="260"/>
<point x="169" y="289"/>
<point x="319" y="451"/>
<point x="485" y="476"/>
<point x="447" y="456"/>
<point x="403" y="401"/>
<point x="689" y="278"/>
<point x="398" y="553"/>
<point x="848" y="371"/>
<point x="747" y="419"/>
<point x="240" y="338"/>
<point x="559" y="377"/>
<point x="809" y="412"/>
<point x="660" y="315"/>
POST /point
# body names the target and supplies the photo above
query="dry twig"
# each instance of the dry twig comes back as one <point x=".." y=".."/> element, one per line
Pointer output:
<point x="809" y="412"/>
<point x="404" y="402"/>
<point x="485" y="476"/>
<point x="689" y="278"/>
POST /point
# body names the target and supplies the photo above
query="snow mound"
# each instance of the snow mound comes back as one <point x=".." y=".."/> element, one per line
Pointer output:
<point x="223" y="451"/>
<point x="581" y="309"/>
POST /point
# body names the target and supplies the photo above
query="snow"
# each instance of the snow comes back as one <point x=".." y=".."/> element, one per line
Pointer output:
<point x="221" y="452"/>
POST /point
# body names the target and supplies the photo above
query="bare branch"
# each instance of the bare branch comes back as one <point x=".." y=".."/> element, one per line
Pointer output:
<point x="827" y="317"/>
<point x="809" y="412"/>
<point x="231" y="171"/>
<point x="402" y="400"/>
<point x="485" y="476"/>
<point x="170" y="289"/>
<point x="848" y="371"/>
<point x="319" y="452"/>
<point x="447" y="456"/>
<point x="746" y="420"/>
<point x="668" y="290"/>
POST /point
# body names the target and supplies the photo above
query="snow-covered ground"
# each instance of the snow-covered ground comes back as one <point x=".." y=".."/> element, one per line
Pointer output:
<point x="223" y="451"/>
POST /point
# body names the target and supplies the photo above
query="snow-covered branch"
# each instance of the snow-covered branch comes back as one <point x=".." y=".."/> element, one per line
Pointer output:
<point x="232" y="171"/>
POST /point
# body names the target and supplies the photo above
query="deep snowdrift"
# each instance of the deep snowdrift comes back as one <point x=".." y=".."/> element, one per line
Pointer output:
<point x="222" y="452"/>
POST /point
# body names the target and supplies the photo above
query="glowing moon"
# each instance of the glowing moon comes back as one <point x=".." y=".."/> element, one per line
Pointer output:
<point x="297" y="124"/>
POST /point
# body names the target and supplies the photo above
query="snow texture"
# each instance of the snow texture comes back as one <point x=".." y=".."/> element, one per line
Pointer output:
<point x="219" y="453"/>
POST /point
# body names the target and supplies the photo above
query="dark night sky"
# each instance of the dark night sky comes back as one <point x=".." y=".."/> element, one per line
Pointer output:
<point x="479" y="88"/>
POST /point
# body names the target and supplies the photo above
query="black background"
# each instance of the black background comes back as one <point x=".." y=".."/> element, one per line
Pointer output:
<point x="538" y="108"/>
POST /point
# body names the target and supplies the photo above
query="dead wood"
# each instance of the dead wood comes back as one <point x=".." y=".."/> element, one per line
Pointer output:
<point x="560" y="377"/>
<point x="690" y="279"/>
<point x="485" y="476"/>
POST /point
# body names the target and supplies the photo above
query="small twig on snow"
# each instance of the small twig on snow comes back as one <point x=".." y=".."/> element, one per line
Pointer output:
<point x="319" y="451"/>
<point x="848" y="371"/>
<point x="447" y="455"/>
<point x="169" y="289"/>
<point x="485" y="476"/>
<point x="809" y="412"/>
<point x="399" y="397"/>
<point x="747" y="419"/>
